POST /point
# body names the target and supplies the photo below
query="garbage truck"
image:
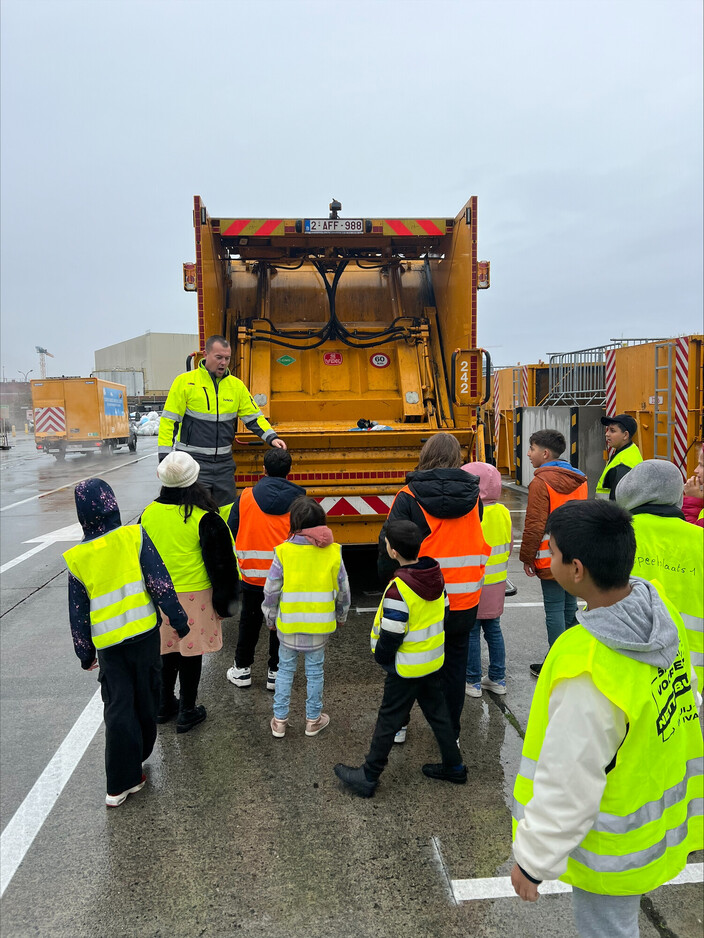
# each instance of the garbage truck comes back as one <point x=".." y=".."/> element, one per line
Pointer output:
<point x="357" y="338"/>
<point x="80" y="415"/>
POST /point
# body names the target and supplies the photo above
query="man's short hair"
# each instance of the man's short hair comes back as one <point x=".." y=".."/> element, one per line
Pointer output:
<point x="211" y="340"/>
<point x="549" y="439"/>
<point x="277" y="462"/>
<point x="601" y="535"/>
<point x="404" y="537"/>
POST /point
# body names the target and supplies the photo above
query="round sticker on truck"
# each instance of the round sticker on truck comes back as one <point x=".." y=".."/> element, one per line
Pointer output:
<point x="380" y="360"/>
<point x="332" y="358"/>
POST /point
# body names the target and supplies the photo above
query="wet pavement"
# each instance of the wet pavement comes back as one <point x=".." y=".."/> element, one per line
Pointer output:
<point x="238" y="833"/>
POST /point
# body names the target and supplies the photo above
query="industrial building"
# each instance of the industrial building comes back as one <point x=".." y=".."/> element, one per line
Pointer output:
<point x="146" y="364"/>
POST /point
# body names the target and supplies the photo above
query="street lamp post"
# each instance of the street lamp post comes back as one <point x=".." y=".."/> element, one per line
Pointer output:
<point x="25" y="373"/>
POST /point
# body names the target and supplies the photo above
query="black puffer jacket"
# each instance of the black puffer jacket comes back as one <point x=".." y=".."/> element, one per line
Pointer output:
<point x="443" y="493"/>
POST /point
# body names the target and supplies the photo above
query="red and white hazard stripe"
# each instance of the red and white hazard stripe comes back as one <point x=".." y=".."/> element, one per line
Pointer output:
<point x="356" y="504"/>
<point x="679" y="447"/>
<point x="50" y="420"/>
<point x="524" y="385"/>
<point x="610" y="386"/>
<point x="497" y="412"/>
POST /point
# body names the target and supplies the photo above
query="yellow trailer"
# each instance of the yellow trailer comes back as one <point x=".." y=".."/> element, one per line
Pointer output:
<point x="80" y="415"/>
<point x="357" y="337"/>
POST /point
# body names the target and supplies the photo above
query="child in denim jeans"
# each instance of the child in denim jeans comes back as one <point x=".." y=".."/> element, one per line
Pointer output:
<point x="306" y="596"/>
<point x="496" y="527"/>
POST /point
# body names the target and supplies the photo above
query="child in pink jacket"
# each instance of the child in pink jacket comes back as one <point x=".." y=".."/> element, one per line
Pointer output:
<point x="496" y="527"/>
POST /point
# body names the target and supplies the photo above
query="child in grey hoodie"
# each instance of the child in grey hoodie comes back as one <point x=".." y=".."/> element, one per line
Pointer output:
<point x="608" y="793"/>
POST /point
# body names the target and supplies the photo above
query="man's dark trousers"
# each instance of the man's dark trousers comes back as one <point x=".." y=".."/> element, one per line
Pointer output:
<point x="251" y="621"/>
<point x="130" y="681"/>
<point x="400" y="693"/>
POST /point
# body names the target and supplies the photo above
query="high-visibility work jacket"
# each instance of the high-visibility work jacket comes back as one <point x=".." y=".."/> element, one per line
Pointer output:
<point x="460" y="549"/>
<point x="423" y="648"/>
<point x="257" y="536"/>
<point x="109" y="569"/>
<point x="671" y="551"/>
<point x="178" y="543"/>
<point x="307" y="602"/>
<point x="542" y="558"/>
<point x="496" y="527"/>
<point x="650" y="815"/>
<point x="628" y="456"/>
<point x="206" y="415"/>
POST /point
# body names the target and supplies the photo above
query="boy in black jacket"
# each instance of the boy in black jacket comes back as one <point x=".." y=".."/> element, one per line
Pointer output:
<point x="408" y="642"/>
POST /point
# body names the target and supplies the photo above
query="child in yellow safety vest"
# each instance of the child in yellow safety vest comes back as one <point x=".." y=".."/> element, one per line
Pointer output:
<point x="609" y="789"/>
<point x="497" y="531"/>
<point x="408" y="641"/>
<point x="306" y="596"/>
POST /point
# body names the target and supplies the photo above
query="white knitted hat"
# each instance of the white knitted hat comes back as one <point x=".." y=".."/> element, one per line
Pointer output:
<point x="178" y="470"/>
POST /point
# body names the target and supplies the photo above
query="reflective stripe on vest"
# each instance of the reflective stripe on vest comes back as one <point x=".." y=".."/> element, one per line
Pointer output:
<point x="257" y="536"/>
<point x="460" y="549"/>
<point x="671" y="551"/>
<point x="496" y="527"/>
<point x="423" y="648"/>
<point x="648" y="822"/>
<point x="629" y="456"/>
<point x="307" y="602"/>
<point x="109" y="569"/>
<point x="542" y="558"/>
<point x="178" y="544"/>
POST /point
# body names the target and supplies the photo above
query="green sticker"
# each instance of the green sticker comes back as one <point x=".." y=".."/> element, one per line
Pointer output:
<point x="285" y="360"/>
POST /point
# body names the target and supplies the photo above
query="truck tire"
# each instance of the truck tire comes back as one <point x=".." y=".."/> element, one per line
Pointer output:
<point x="132" y="445"/>
<point x="60" y="454"/>
<point x="107" y="448"/>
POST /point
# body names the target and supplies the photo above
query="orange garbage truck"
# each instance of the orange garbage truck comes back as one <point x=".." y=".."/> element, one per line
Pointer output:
<point x="357" y="338"/>
<point x="80" y="415"/>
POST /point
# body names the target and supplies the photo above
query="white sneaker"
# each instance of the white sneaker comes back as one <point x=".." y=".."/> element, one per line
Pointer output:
<point x="496" y="687"/>
<point x="114" y="801"/>
<point x="270" y="679"/>
<point x="400" y="737"/>
<point x="240" y="677"/>
<point x="473" y="690"/>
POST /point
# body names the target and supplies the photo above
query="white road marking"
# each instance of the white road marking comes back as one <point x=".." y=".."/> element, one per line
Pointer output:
<point x="361" y="609"/>
<point x="526" y="605"/>
<point x="27" y="821"/>
<point x="68" y="485"/>
<point x="72" y="532"/>
<point x="499" y="887"/>
<point x="517" y="511"/>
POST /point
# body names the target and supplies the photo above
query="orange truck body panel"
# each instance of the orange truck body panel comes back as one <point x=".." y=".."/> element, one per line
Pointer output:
<point x="79" y="414"/>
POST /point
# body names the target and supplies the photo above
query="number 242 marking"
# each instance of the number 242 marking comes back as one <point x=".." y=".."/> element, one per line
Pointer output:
<point x="464" y="377"/>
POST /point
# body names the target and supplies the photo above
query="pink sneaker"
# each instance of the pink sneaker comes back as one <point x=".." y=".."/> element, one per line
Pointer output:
<point x="278" y="727"/>
<point x="313" y="727"/>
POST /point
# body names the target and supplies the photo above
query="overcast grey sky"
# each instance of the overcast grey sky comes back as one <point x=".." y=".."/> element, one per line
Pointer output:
<point x="577" y="124"/>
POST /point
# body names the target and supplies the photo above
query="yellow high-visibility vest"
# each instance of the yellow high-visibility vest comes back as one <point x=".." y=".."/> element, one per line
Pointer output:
<point x="628" y="456"/>
<point x="307" y="603"/>
<point x="650" y="815"/>
<point x="109" y="569"/>
<point x="178" y="544"/>
<point x="671" y="551"/>
<point x="496" y="526"/>
<point x="423" y="648"/>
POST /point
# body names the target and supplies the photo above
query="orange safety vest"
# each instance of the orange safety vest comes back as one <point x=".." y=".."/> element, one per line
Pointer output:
<point x="257" y="536"/>
<point x="542" y="558"/>
<point x="459" y="546"/>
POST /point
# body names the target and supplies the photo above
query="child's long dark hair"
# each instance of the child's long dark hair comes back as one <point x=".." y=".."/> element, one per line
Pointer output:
<point x="305" y="513"/>
<point x="193" y="496"/>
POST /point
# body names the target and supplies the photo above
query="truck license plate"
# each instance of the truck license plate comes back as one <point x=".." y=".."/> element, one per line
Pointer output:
<point x="334" y="225"/>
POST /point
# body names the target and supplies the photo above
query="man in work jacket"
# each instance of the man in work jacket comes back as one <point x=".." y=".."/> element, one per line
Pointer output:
<point x="200" y="417"/>
<point x="668" y="548"/>
<point x="608" y="795"/>
<point x="445" y="504"/>
<point x="555" y="481"/>
<point x="619" y="434"/>
<point x="117" y="581"/>
<point x="259" y="521"/>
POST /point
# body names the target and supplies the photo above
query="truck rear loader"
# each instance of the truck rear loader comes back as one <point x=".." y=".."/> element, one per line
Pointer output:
<point x="80" y="415"/>
<point x="357" y="338"/>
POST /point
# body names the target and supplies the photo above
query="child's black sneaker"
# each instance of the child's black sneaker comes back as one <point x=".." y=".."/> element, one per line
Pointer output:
<point x="187" y="719"/>
<point x="456" y="774"/>
<point x="167" y="710"/>
<point x="355" y="779"/>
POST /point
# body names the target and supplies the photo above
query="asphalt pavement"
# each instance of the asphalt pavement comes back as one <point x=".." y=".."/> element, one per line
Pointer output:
<point x="238" y="833"/>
